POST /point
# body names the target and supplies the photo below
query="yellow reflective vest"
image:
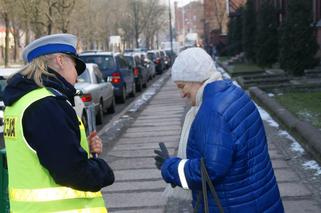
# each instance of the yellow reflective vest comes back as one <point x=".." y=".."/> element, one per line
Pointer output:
<point x="31" y="188"/>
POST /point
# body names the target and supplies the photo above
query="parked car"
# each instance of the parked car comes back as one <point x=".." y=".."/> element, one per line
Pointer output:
<point x="172" y="56"/>
<point x="96" y="90"/>
<point x="116" y="70"/>
<point x="165" y="58"/>
<point x="150" y="66"/>
<point x="154" y="55"/>
<point x="85" y="112"/>
<point x="140" y="72"/>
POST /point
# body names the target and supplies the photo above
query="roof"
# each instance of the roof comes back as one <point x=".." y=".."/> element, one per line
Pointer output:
<point x="97" y="53"/>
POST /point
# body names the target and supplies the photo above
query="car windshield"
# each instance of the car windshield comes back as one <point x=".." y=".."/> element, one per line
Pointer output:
<point x="103" y="62"/>
<point x="130" y="60"/>
<point x="84" y="77"/>
<point x="150" y="56"/>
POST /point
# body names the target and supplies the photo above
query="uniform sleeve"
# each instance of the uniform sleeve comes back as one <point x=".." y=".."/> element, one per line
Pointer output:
<point x="215" y="142"/>
<point x="51" y="129"/>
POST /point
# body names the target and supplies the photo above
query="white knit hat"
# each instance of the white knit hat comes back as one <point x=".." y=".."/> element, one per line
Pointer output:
<point x="193" y="65"/>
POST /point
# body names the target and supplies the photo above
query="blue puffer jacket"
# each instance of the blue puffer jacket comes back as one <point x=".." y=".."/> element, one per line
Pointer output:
<point x="229" y="134"/>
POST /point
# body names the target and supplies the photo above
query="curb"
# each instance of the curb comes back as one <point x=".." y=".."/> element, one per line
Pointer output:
<point x="309" y="136"/>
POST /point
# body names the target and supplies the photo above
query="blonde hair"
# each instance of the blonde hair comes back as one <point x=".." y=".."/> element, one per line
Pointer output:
<point x="37" y="68"/>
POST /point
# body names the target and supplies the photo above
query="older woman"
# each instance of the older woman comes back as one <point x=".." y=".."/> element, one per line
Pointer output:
<point x="224" y="128"/>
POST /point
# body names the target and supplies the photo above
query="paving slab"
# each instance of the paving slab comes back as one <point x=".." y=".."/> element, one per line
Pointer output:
<point x="285" y="175"/>
<point x="301" y="206"/>
<point x="166" y="138"/>
<point x="279" y="164"/>
<point x="293" y="190"/>
<point x="274" y="154"/>
<point x="137" y="153"/>
<point x="142" y="146"/>
<point x="139" y="210"/>
<point x="137" y="174"/>
<point x="138" y="163"/>
<point x="154" y="128"/>
<point x="151" y="134"/>
<point x="158" y="185"/>
<point x="159" y="122"/>
<point x="135" y="199"/>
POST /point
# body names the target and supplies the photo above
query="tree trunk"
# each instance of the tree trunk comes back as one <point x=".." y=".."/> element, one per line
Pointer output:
<point x="27" y="38"/>
<point x="16" y="44"/>
<point x="6" y="49"/>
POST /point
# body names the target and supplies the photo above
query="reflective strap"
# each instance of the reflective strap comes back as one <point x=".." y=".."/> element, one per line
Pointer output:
<point x="88" y="210"/>
<point x="181" y="173"/>
<point x="49" y="194"/>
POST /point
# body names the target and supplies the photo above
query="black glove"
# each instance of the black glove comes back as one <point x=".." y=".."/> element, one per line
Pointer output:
<point x="161" y="155"/>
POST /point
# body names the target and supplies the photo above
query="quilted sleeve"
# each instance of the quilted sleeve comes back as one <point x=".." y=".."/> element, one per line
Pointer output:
<point x="215" y="142"/>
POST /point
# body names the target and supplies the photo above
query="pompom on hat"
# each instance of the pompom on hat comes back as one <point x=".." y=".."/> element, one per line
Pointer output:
<point x="193" y="65"/>
<point x="56" y="43"/>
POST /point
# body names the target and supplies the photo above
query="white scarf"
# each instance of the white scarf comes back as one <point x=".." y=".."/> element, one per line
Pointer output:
<point x="178" y="192"/>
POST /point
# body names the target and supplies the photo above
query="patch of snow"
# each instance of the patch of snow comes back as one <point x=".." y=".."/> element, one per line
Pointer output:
<point x="270" y="94"/>
<point x="146" y="95"/>
<point x="314" y="166"/>
<point x="144" y="98"/>
<point x="266" y="117"/>
<point x="295" y="146"/>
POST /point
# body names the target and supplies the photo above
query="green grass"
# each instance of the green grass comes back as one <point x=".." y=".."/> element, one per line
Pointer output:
<point x="305" y="105"/>
<point x="223" y="59"/>
<point x="243" y="68"/>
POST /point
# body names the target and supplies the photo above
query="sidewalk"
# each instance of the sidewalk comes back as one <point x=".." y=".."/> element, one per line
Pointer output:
<point x="139" y="186"/>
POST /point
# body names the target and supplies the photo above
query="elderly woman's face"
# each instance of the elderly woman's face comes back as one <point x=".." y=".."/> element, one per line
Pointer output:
<point x="188" y="90"/>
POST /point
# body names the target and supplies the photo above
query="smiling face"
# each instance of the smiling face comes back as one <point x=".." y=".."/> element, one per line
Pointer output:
<point x="188" y="90"/>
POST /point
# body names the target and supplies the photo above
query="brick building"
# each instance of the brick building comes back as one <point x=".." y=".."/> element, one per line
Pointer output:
<point x="188" y="19"/>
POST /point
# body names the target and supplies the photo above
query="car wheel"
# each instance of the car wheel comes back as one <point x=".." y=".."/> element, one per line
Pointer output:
<point x="133" y="93"/>
<point x="139" y="86"/>
<point x="100" y="115"/>
<point x="145" y="84"/>
<point x="112" y="107"/>
<point x="122" y="97"/>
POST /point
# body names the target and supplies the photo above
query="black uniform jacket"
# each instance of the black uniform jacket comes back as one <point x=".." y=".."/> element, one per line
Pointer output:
<point x="51" y="128"/>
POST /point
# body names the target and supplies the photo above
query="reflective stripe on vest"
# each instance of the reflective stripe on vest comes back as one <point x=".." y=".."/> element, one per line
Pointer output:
<point x="49" y="194"/>
<point x="31" y="188"/>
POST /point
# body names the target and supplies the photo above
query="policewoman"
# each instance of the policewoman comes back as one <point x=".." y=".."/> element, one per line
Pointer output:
<point x="49" y="162"/>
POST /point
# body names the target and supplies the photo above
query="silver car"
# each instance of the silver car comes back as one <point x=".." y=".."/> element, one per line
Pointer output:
<point x="95" y="90"/>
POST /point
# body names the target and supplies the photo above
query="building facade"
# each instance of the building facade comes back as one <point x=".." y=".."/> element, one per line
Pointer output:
<point x="188" y="21"/>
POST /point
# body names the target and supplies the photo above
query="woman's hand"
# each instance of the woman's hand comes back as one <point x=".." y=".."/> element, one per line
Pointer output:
<point x="95" y="143"/>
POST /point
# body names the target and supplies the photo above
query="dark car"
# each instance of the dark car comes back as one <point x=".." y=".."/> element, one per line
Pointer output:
<point x="154" y="55"/>
<point x="148" y="64"/>
<point x="165" y="58"/>
<point x="172" y="56"/>
<point x="116" y="70"/>
<point x="140" y="72"/>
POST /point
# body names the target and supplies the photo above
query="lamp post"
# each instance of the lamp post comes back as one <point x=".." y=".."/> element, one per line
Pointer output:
<point x="170" y="26"/>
